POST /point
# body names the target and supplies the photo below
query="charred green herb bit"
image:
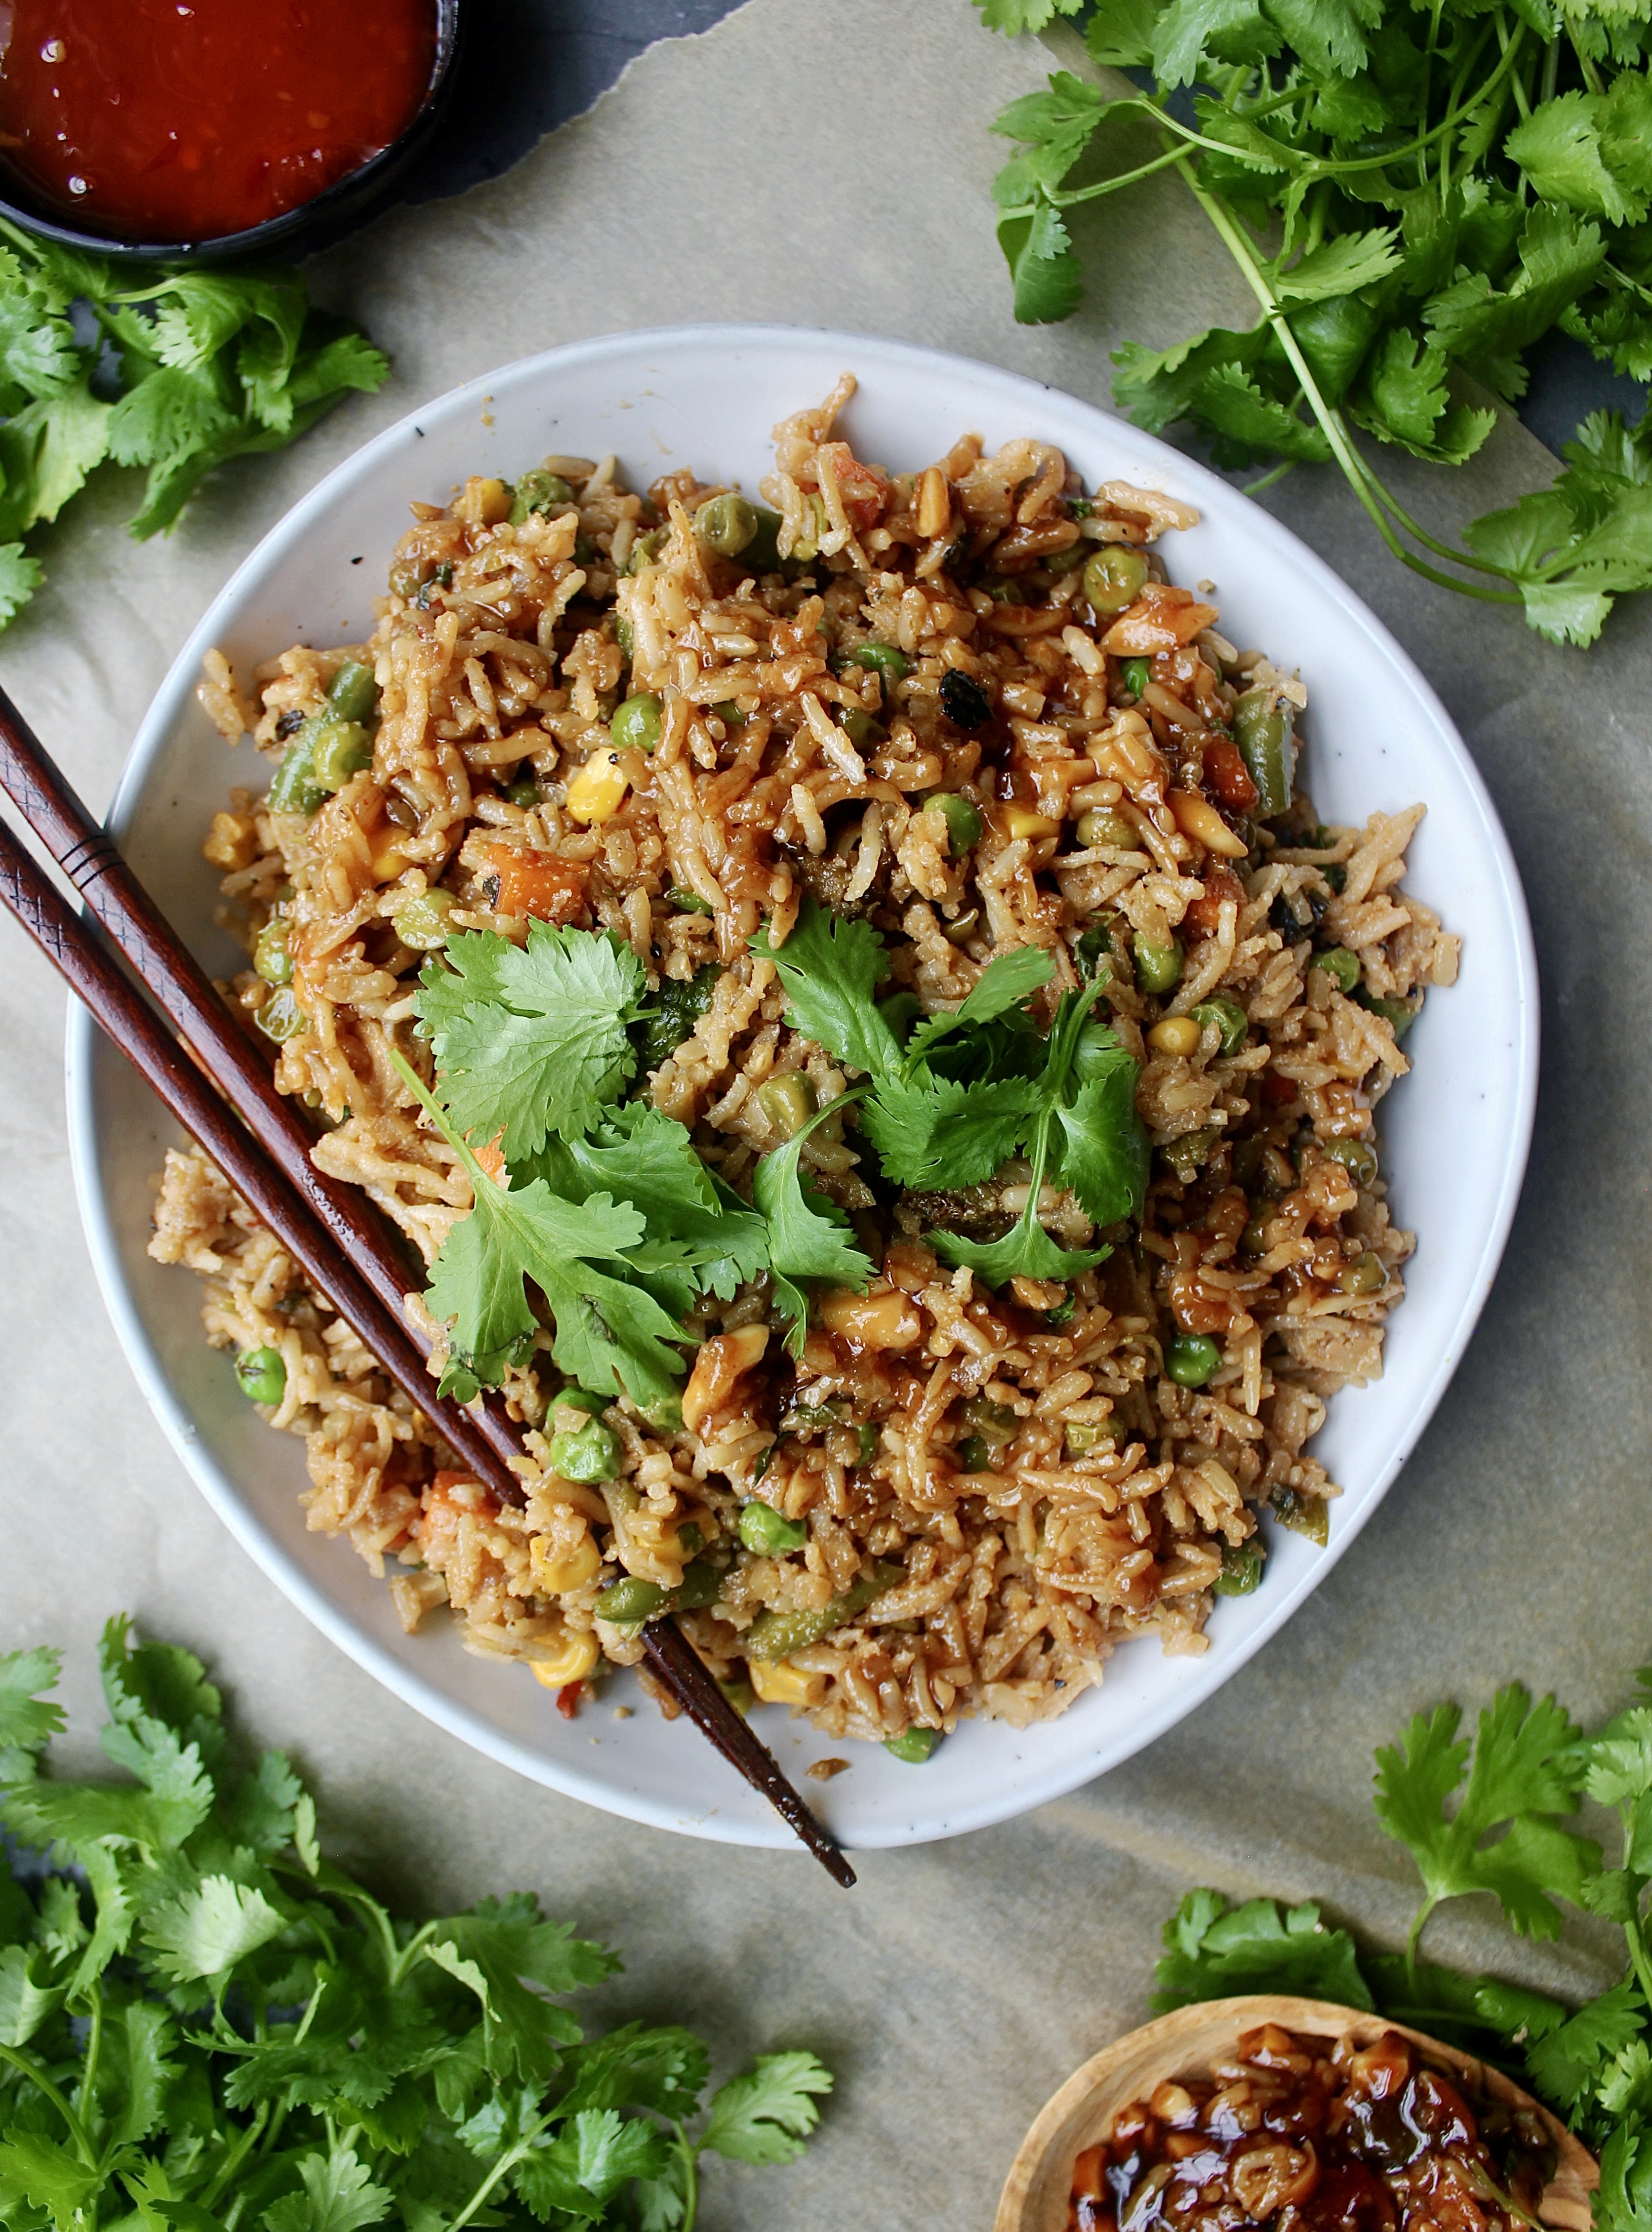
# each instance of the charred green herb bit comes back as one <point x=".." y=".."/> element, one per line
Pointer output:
<point x="670" y="1016"/>
<point x="1303" y="1514"/>
<point x="206" y="2024"/>
<point x="964" y="700"/>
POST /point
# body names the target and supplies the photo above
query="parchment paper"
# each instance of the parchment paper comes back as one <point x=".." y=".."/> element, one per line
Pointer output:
<point x="827" y="163"/>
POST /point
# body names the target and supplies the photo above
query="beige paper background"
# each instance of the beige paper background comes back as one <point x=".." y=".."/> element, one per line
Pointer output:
<point x="828" y="161"/>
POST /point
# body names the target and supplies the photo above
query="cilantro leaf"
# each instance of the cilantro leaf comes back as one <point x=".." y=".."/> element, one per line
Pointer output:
<point x="210" y="1928"/>
<point x="766" y="2115"/>
<point x="530" y="1041"/>
<point x="642" y="1156"/>
<point x="1527" y="1770"/>
<point x="1008" y="981"/>
<point x="1013" y="17"/>
<point x="940" y="1133"/>
<point x="338" y="2196"/>
<point x="831" y="966"/>
<point x="809" y="1236"/>
<point x="1105" y="1151"/>
<point x="1038" y="250"/>
<point x="28" y="1720"/>
<point x="1212" y="1949"/>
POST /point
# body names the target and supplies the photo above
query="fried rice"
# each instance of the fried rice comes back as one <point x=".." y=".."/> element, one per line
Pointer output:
<point x="1043" y="1484"/>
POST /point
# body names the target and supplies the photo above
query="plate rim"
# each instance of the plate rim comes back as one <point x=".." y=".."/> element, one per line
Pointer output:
<point x="215" y="1482"/>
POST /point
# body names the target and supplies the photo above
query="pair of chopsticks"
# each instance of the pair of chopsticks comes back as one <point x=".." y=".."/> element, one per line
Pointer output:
<point x="214" y="1081"/>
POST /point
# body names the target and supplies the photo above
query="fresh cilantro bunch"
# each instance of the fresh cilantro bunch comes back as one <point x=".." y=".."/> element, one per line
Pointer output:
<point x="1414" y="196"/>
<point x="1493" y="1815"/>
<point x="173" y="370"/>
<point x="602" y="1204"/>
<point x="954" y="1096"/>
<point x="205" y="2025"/>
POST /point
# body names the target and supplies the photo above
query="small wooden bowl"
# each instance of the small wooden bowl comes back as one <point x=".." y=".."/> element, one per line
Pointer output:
<point x="1037" y="2193"/>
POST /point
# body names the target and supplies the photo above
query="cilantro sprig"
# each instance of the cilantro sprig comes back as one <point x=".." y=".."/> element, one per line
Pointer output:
<point x="1487" y="1816"/>
<point x="176" y="370"/>
<point x="206" y="2026"/>
<point x="1413" y="198"/>
<point x="966" y="1090"/>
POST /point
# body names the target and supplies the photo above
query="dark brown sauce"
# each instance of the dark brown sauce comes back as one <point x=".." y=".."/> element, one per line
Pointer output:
<point x="1311" y="2135"/>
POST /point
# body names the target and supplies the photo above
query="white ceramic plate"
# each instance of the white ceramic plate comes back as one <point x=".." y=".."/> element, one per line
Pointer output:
<point x="1455" y="1133"/>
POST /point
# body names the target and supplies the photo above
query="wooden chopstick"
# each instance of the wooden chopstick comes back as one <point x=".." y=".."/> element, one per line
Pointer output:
<point x="342" y="1245"/>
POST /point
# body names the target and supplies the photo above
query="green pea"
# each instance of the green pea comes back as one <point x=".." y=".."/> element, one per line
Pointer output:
<point x="1101" y="825"/>
<point x="294" y="790"/>
<point x="1354" y="1155"/>
<point x="421" y="922"/>
<point x="647" y="547"/>
<point x="763" y="1529"/>
<point x="1400" y="1014"/>
<point x="973" y="1453"/>
<point x="636" y="724"/>
<point x="1262" y="728"/>
<point x="1339" y="963"/>
<point x="582" y="1398"/>
<point x="731" y="713"/>
<point x="778" y="1634"/>
<point x="858" y="726"/>
<point x="629" y="1601"/>
<point x="884" y="658"/>
<point x="727" y="524"/>
<point x="280" y="1017"/>
<point x="1190" y="1359"/>
<point x="271" y="956"/>
<point x="1113" y="577"/>
<point x="525" y="793"/>
<point x="1158" y="963"/>
<point x="912" y="1745"/>
<point x="1105" y="1433"/>
<point x="1227" y="1017"/>
<point x="261" y="1375"/>
<point x="1188" y="1155"/>
<point x="586" y="1454"/>
<point x="1136" y="674"/>
<point x="353" y="693"/>
<point x="963" y="821"/>
<point x="1241" y="1570"/>
<point x="1303" y="1513"/>
<point x="741" y="1695"/>
<point x="341" y="749"/>
<point x="1366" y="1275"/>
<point x="788" y="1101"/>
<point x="538" y="490"/>
<point x="994" y="1422"/>
<point x="1068" y="560"/>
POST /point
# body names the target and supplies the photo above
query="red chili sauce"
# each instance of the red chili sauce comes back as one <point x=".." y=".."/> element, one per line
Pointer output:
<point x="1315" y="2135"/>
<point x="158" y="120"/>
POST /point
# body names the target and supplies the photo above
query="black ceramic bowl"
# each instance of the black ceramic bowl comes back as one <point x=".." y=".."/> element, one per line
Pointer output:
<point x="336" y="210"/>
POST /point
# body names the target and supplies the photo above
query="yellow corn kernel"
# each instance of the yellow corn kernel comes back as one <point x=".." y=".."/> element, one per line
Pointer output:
<point x="388" y="861"/>
<point x="574" y="1661"/>
<point x="233" y="842"/>
<point x="597" y="792"/>
<point x="557" y="1566"/>
<point x="483" y="503"/>
<point x="1175" y="1034"/>
<point x="1022" y="821"/>
<point x="1198" y="819"/>
<point x="781" y="1684"/>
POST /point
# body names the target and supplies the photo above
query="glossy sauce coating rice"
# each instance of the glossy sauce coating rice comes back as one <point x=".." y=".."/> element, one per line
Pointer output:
<point x="1315" y="2135"/>
<point x="992" y="1489"/>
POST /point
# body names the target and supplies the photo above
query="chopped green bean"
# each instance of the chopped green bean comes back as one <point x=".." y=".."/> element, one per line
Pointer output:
<point x="421" y="921"/>
<point x="271" y="955"/>
<point x="962" y="817"/>
<point x="914" y="1745"/>
<point x="1263" y="725"/>
<point x="763" y="1530"/>
<point x="883" y="658"/>
<point x="353" y="692"/>
<point x="778" y="1634"/>
<point x="1241" y="1570"/>
<point x="726" y="524"/>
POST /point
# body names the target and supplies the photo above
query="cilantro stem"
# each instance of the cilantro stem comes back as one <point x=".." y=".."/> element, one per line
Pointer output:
<point x="1071" y="199"/>
<point x="246" y="2139"/>
<point x="19" y="2061"/>
<point x="1372" y="495"/>
<point x="1271" y="479"/>
<point x="94" y="2049"/>
<point x="1413" y="1937"/>
<point x="506" y="2164"/>
<point x="689" y="2155"/>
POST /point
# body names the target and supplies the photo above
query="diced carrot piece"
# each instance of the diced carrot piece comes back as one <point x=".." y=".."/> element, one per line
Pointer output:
<point x="567" y="1699"/>
<point x="529" y="883"/>
<point x="1204" y="917"/>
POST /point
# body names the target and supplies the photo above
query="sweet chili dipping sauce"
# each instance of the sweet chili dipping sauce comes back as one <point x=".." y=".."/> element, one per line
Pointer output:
<point x="1315" y="2135"/>
<point x="186" y="119"/>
